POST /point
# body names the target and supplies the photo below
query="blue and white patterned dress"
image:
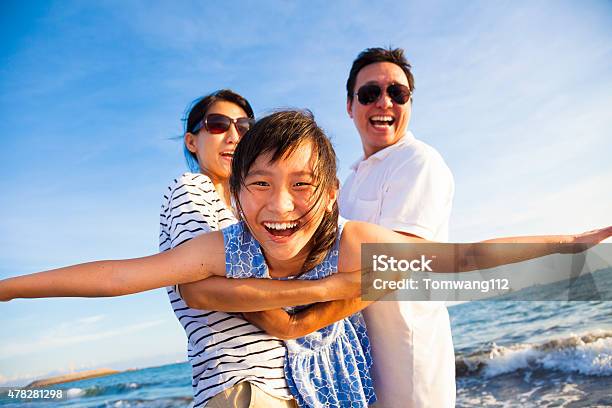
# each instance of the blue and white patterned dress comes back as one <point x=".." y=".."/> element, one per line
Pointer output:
<point x="329" y="367"/>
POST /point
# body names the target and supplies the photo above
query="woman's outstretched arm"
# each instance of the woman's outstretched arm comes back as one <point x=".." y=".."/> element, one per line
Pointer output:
<point x="197" y="259"/>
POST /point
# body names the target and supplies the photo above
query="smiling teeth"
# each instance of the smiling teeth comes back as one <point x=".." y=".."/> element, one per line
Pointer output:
<point x="382" y="118"/>
<point x="280" y="225"/>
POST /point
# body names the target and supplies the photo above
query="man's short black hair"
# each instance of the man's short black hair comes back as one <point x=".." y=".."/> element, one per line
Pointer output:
<point x="372" y="56"/>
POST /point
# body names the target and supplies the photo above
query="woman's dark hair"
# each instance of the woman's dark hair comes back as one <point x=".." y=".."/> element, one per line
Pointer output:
<point x="372" y="56"/>
<point x="281" y="134"/>
<point x="198" y="109"/>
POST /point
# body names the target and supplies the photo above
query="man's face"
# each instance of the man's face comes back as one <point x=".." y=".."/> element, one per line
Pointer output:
<point x="381" y="123"/>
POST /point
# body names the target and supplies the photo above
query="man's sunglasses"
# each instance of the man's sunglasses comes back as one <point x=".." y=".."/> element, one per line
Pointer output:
<point x="216" y="123"/>
<point x="371" y="93"/>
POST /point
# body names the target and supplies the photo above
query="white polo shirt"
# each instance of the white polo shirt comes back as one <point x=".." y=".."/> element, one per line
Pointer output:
<point x="406" y="187"/>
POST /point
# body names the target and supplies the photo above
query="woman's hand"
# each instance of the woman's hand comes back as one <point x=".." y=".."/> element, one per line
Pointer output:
<point x="276" y="322"/>
<point x="279" y="323"/>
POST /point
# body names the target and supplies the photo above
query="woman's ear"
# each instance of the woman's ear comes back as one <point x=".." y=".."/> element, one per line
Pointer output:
<point x="190" y="142"/>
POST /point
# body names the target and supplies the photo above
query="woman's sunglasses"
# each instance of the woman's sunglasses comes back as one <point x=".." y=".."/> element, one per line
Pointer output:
<point x="216" y="123"/>
<point x="371" y="93"/>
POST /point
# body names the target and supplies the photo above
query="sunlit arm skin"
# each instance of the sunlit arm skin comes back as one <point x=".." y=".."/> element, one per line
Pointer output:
<point x="281" y="324"/>
<point x="247" y="295"/>
<point x="468" y="258"/>
<point x="197" y="259"/>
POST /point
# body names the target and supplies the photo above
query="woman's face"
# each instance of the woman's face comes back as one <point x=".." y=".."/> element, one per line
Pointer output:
<point x="277" y="202"/>
<point x="215" y="151"/>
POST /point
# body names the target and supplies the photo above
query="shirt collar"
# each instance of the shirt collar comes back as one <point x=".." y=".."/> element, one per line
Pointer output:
<point x="382" y="154"/>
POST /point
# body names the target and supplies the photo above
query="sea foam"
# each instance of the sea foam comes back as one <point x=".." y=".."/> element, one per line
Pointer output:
<point x="587" y="354"/>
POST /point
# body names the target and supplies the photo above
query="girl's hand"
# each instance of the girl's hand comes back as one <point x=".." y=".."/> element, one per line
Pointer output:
<point x="584" y="241"/>
<point x="593" y="236"/>
<point x="5" y="295"/>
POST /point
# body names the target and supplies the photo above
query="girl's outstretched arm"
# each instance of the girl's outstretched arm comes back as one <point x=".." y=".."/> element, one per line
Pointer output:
<point x="470" y="257"/>
<point x="197" y="259"/>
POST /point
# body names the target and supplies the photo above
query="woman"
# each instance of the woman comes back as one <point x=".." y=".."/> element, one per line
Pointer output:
<point x="197" y="203"/>
<point x="283" y="182"/>
<point x="232" y="361"/>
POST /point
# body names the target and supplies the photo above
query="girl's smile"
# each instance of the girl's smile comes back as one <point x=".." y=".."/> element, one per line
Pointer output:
<point x="278" y="204"/>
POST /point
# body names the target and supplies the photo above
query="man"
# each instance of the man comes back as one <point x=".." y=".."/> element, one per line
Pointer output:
<point x="403" y="184"/>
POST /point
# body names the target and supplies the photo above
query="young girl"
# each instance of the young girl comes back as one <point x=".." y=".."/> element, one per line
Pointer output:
<point x="284" y="184"/>
<point x="233" y="362"/>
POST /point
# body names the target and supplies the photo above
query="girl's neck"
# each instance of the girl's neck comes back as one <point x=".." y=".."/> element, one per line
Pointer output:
<point x="284" y="269"/>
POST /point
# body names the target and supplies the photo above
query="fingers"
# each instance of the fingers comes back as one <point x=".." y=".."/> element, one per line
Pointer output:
<point x="604" y="233"/>
<point x="594" y="236"/>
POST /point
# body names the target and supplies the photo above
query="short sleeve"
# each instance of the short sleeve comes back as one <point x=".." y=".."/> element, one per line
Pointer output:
<point x="188" y="210"/>
<point x="418" y="197"/>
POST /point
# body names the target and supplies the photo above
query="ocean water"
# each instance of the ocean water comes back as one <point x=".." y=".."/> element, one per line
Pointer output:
<point x="155" y="387"/>
<point x="508" y="354"/>
<point x="533" y="354"/>
<point x="536" y="354"/>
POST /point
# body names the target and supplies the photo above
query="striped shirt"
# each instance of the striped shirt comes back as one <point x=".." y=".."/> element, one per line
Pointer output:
<point x="223" y="348"/>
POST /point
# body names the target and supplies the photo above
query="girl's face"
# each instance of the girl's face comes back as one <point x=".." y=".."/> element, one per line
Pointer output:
<point x="278" y="203"/>
<point x="215" y="151"/>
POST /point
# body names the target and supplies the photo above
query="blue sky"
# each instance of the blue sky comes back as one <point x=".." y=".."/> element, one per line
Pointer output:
<point x="516" y="97"/>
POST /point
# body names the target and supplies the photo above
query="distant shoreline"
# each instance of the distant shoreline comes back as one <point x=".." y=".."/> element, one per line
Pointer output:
<point x="61" y="379"/>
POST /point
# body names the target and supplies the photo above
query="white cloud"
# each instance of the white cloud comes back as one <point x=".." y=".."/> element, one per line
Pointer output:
<point x="89" y="320"/>
<point x="56" y="339"/>
<point x="571" y="208"/>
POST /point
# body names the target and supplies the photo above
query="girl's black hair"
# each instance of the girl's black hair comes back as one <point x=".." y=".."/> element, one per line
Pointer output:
<point x="281" y="134"/>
